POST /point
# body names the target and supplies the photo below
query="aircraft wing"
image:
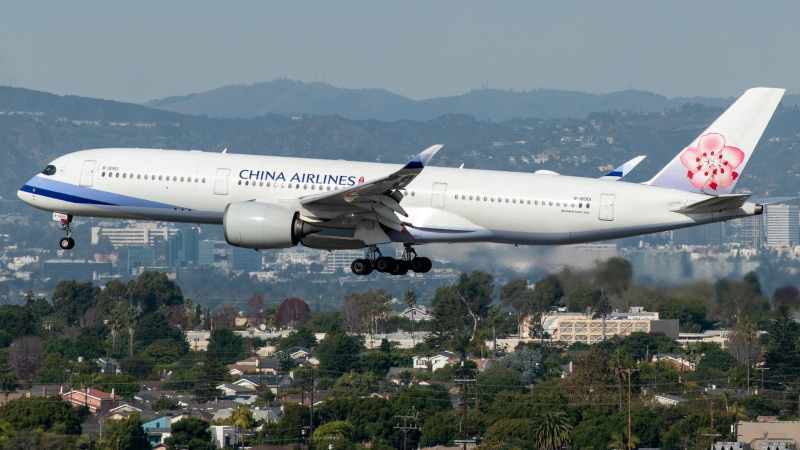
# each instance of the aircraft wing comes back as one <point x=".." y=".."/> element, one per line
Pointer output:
<point x="377" y="199"/>
<point x="623" y="170"/>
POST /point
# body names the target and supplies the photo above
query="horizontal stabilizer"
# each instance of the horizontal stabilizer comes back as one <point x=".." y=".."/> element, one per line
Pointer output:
<point x="714" y="204"/>
<point x="775" y="200"/>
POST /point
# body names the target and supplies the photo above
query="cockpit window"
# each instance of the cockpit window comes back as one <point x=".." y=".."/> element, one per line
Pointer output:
<point x="49" y="170"/>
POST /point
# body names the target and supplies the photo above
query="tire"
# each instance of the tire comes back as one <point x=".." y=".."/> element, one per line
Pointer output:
<point x="427" y="265"/>
<point x="385" y="264"/>
<point x="417" y="265"/>
<point x="361" y="267"/>
<point x="67" y="243"/>
<point x="401" y="269"/>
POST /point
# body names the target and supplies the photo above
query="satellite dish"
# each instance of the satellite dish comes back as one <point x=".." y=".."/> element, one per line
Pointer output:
<point x="262" y="327"/>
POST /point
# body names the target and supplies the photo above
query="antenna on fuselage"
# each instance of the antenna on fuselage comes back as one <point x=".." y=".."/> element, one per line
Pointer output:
<point x="461" y="166"/>
<point x="226" y="150"/>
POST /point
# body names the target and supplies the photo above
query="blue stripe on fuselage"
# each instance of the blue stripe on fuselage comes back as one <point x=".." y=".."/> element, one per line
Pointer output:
<point x="68" y="192"/>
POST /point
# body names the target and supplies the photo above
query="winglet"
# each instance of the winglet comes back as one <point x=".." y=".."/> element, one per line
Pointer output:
<point x="623" y="170"/>
<point x="421" y="160"/>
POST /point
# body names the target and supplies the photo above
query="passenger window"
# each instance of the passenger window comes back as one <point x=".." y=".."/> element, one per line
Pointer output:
<point x="103" y="175"/>
<point x="124" y="175"/>
<point x="159" y="177"/>
<point x="484" y="198"/>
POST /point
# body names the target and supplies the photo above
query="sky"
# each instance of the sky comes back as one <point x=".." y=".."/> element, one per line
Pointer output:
<point x="145" y="50"/>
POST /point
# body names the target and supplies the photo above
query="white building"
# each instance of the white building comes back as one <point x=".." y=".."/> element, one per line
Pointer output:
<point x="579" y="327"/>
<point x="141" y="234"/>
<point x="783" y="224"/>
<point x="432" y="362"/>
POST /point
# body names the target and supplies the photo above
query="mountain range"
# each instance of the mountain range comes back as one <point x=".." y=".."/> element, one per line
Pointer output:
<point x="289" y="97"/>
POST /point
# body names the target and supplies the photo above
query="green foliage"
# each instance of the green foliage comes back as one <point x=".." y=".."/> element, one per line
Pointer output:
<point x="354" y="385"/>
<point x="340" y="429"/>
<point x="783" y="346"/>
<point x="46" y="413"/>
<point x="691" y="314"/>
<point x="72" y="299"/>
<point x="153" y="328"/>
<point x="327" y="322"/>
<point x="338" y="353"/>
<point x="427" y="400"/>
<point x="123" y="385"/>
<point x="717" y="360"/>
<point x="376" y="362"/>
<point x="304" y="337"/>
<point x="372" y="417"/>
<point x="192" y="433"/>
<point x="583" y="298"/>
<point x="226" y="346"/>
<point x="126" y="434"/>
<point x="462" y="304"/>
<point x="165" y="403"/>
<point x="154" y="289"/>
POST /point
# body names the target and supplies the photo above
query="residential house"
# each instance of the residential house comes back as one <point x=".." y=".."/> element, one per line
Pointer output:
<point x="432" y="362"/>
<point x="417" y="313"/>
<point x="669" y="400"/>
<point x="304" y="398"/>
<point x="237" y="392"/>
<point x="223" y="436"/>
<point x="109" y="365"/>
<point x="94" y="399"/>
<point x="269" y="365"/>
<point x="122" y="411"/>
<point x="299" y="352"/>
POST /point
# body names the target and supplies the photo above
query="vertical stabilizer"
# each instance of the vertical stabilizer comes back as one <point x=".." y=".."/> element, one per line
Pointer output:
<point x="715" y="159"/>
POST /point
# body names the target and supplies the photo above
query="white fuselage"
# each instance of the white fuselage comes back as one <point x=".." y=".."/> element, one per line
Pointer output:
<point x="443" y="204"/>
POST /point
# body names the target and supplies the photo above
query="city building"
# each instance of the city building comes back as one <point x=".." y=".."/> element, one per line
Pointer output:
<point x="783" y="224"/>
<point x="341" y="259"/>
<point x="138" y="235"/>
<point x="580" y="327"/>
<point x="769" y="434"/>
<point x="140" y="257"/>
<point x="708" y="234"/>
<point x="182" y="248"/>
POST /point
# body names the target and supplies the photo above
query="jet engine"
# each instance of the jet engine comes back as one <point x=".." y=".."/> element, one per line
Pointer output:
<point x="263" y="225"/>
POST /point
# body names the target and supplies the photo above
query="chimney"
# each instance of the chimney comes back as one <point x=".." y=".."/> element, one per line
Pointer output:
<point x="112" y="393"/>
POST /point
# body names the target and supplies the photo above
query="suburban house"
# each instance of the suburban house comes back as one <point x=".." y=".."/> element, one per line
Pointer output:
<point x="237" y="392"/>
<point x="669" y="400"/>
<point x="432" y="362"/>
<point x="416" y="313"/>
<point x="92" y="398"/>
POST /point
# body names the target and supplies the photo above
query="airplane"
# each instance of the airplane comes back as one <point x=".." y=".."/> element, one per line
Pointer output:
<point x="268" y="202"/>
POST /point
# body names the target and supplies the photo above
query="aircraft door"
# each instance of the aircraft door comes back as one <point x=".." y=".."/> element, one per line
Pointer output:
<point x="607" y="207"/>
<point x="221" y="181"/>
<point x="437" y="198"/>
<point x="87" y="173"/>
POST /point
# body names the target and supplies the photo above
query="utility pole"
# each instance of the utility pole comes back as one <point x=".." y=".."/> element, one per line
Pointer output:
<point x="406" y="428"/>
<point x="629" y="371"/>
<point x="311" y="419"/>
<point x="464" y="440"/>
<point x="762" y="369"/>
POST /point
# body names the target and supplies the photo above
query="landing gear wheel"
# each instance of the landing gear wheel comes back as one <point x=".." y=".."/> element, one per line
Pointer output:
<point x="421" y="265"/>
<point x="67" y="243"/>
<point x="361" y="267"/>
<point x="401" y="268"/>
<point x="385" y="264"/>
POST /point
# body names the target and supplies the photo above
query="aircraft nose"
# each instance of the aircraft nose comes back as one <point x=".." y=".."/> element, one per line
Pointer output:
<point x="25" y="193"/>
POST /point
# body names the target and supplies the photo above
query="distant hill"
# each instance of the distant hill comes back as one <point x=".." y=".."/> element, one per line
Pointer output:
<point x="296" y="98"/>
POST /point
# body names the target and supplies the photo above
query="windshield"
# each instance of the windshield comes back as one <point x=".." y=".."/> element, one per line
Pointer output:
<point x="49" y="170"/>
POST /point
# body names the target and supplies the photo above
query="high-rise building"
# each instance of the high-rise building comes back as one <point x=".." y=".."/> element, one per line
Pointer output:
<point x="183" y="248"/>
<point x="708" y="234"/>
<point x="783" y="224"/>
<point x="140" y="257"/>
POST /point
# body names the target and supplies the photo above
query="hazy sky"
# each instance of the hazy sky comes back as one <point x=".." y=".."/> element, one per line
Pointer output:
<point x="143" y="50"/>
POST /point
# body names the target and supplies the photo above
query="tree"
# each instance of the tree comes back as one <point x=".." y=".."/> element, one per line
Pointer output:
<point x="71" y="299"/>
<point x="464" y="303"/>
<point x="255" y="309"/>
<point x="410" y="299"/>
<point x="291" y="312"/>
<point x="165" y="403"/>
<point x="783" y="345"/>
<point x="354" y="385"/>
<point x="496" y="319"/>
<point x="546" y="293"/>
<point x="126" y="434"/>
<point x="225" y="346"/>
<point x="513" y="295"/>
<point x="744" y="342"/>
<point x="25" y="356"/>
<point x="552" y="430"/>
<point x="190" y="433"/>
<point x="338" y="353"/>
<point x="131" y="319"/>
<point x="334" y="433"/>
<point x="47" y="413"/>
<point x="242" y="418"/>
<point x="225" y="317"/>
<point x="527" y="362"/>
<point x="691" y="314"/>
<point x="787" y="294"/>
<point x="154" y="289"/>
<point x="376" y="362"/>
<point x="8" y="383"/>
<point x="361" y="311"/>
<point x="123" y="385"/>
<point x="115" y="323"/>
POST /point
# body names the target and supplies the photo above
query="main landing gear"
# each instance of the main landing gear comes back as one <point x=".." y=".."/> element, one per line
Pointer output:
<point x="386" y="264"/>
<point x="66" y="242"/>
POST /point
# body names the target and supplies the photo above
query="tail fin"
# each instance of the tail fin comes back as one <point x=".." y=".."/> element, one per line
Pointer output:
<point x="714" y="160"/>
<point x="623" y="170"/>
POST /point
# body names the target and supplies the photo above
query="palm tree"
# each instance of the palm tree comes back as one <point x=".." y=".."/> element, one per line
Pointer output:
<point x="131" y="320"/>
<point x="410" y="298"/>
<point x="619" y="362"/>
<point x="115" y="324"/>
<point x="242" y="417"/>
<point x="553" y="430"/>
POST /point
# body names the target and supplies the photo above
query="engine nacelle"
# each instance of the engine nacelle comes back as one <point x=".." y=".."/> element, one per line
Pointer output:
<point x="263" y="225"/>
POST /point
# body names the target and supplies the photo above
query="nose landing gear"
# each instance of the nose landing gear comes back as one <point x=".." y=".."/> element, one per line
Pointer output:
<point x="386" y="264"/>
<point x="66" y="242"/>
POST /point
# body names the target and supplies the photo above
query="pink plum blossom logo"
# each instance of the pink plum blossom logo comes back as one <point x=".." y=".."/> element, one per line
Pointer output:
<point x="712" y="163"/>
